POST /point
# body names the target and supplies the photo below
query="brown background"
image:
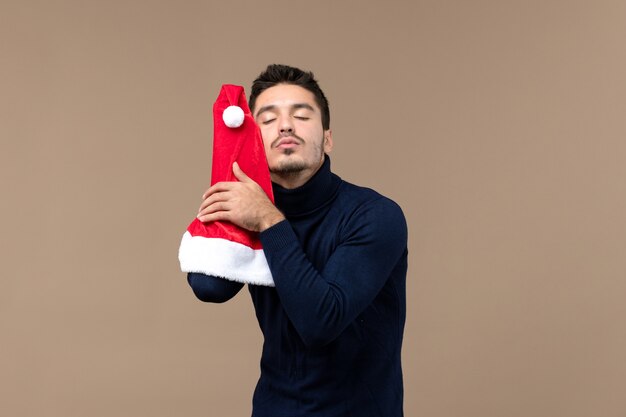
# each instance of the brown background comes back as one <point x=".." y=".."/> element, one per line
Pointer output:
<point x="498" y="126"/>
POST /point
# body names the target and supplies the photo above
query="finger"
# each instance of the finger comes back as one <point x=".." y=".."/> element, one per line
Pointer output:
<point x="241" y="176"/>
<point x="214" y="198"/>
<point x="218" y="187"/>
<point x="223" y="206"/>
<point x="214" y="217"/>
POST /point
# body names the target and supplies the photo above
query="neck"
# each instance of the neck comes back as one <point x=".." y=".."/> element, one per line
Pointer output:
<point x="315" y="193"/>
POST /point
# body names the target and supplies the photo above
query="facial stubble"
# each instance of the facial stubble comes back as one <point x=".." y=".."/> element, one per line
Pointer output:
<point x="291" y="168"/>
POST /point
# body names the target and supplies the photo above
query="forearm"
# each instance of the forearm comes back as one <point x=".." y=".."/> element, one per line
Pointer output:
<point x="320" y="304"/>
<point x="212" y="289"/>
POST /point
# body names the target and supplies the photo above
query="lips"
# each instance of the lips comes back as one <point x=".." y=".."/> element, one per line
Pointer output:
<point x="287" y="143"/>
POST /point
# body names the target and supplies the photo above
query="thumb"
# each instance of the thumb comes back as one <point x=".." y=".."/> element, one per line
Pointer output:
<point x="241" y="176"/>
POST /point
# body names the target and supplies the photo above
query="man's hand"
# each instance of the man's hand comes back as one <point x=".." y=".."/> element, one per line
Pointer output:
<point x="242" y="203"/>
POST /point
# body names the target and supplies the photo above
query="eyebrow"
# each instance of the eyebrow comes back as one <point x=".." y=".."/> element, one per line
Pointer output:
<point x="295" y="106"/>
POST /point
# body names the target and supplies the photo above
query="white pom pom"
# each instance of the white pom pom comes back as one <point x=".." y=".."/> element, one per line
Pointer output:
<point x="233" y="116"/>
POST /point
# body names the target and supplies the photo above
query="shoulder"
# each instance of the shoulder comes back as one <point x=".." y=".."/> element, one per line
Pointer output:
<point x="362" y="197"/>
<point x="368" y="207"/>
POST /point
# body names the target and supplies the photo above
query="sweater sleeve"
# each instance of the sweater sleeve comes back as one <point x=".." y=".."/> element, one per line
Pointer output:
<point x="212" y="289"/>
<point x="320" y="304"/>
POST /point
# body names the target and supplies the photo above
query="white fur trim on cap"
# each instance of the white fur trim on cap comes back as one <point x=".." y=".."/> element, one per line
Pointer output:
<point x="225" y="259"/>
<point x="233" y="116"/>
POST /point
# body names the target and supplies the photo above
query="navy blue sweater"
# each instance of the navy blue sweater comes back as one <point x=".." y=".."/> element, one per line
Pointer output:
<point x="333" y="324"/>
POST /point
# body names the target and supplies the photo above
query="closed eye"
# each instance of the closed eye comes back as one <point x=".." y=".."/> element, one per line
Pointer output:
<point x="267" y="122"/>
<point x="302" y="118"/>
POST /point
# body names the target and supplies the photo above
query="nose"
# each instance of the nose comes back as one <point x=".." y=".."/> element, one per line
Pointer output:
<point x="285" y="126"/>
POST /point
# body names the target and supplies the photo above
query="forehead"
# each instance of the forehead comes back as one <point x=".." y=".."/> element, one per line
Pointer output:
<point x="285" y="95"/>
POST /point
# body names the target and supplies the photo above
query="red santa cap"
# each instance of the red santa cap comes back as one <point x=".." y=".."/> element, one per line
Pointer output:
<point x="218" y="248"/>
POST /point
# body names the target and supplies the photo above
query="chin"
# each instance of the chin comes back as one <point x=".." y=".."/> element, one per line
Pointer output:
<point x="289" y="166"/>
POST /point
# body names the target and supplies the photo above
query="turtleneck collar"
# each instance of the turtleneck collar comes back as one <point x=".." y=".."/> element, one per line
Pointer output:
<point x="315" y="193"/>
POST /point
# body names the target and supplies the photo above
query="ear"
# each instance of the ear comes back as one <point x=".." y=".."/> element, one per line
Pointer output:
<point x="328" y="141"/>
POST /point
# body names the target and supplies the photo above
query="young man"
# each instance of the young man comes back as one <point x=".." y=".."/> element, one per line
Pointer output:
<point x="334" y="321"/>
